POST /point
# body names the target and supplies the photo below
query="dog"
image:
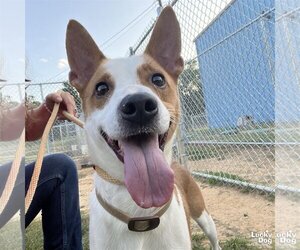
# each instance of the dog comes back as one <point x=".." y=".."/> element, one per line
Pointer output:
<point x="141" y="199"/>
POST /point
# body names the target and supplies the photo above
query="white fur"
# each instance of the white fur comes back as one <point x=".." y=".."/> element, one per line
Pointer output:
<point x="107" y="232"/>
<point x="124" y="72"/>
<point x="208" y="226"/>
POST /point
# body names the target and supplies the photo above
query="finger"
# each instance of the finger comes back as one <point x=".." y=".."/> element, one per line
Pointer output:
<point x="54" y="97"/>
<point x="58" y="98"/>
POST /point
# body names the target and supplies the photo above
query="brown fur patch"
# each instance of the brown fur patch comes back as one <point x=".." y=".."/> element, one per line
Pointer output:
<point x="168" y="94"/>
<point x="193" y="201"/>
<point x="89" y="101"/>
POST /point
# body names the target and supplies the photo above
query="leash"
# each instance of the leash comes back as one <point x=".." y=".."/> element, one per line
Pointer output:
<point x="38" y="164"/>
<point x="13" y="173"/>
<point x="73" y="119"/>
<point x="40" y="156"/>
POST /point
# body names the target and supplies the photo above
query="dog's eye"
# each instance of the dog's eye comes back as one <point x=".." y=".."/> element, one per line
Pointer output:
<point x="101" y="89"/>
<point x="158" y="79"/>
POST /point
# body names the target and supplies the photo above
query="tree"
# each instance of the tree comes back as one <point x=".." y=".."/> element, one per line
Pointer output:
<point x="31" y="102"/>
<point x="6" y="102"/>
<point x="69" y="88"/>
<point x="190" y="87"/>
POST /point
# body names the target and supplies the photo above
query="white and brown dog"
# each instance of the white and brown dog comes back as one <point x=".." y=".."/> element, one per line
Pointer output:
<point x="141" y="199"/>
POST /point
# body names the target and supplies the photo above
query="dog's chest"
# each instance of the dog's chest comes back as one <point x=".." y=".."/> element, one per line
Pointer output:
<point x="107" y="232"/>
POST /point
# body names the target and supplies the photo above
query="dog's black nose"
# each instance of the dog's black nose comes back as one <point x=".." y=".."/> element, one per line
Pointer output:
<point x="138" y="108"/>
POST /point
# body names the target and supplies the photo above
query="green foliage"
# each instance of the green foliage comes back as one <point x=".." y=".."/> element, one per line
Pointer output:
<point x="34" y="234"/>
<point x="197" y="241"/>
<point x="238" y="243"/>
<point x="34" y="238"/>
<point x="31" y="102"/>
<point x="226" y="175"/>
<point x="191" y="89"/>
<point x="11" y="235"/>
<point x="85" y="230"/>
<point x="69" y="88"/>
<point x="200" y="242"/>
<point x="212" y="181"/>
<point x="7" y="102"/>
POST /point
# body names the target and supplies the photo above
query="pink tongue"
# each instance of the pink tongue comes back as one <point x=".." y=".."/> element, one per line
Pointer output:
<point x="148" y="177"/>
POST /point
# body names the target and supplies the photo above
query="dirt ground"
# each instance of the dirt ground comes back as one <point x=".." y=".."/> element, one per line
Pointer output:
<point x="252" y="164"/>
<point x="235" y="213"/>
<point x="238" y="214"/>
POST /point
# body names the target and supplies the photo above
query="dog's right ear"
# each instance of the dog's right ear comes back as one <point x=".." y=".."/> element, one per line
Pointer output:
<point x="165" y="42"/>
<point x="83" y="54"/>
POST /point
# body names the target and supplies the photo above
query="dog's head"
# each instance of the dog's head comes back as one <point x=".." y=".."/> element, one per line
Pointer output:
<point x="131" y="107"/>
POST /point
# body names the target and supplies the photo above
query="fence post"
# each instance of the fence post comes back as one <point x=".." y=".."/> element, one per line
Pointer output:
<point x="180" y="145"/>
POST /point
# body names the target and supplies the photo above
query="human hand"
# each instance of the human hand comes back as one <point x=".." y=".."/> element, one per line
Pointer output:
<point x="38" y="118"/>
<point x="66" y="101"/>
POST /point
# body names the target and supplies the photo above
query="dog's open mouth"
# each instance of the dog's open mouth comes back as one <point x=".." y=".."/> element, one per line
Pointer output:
<point x="116" y="146"/>
<point x="148" y="177"/>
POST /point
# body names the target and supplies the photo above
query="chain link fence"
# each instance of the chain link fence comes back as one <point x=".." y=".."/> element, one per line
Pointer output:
<point x="65" y="137"/>
<point x="240" y="91"/>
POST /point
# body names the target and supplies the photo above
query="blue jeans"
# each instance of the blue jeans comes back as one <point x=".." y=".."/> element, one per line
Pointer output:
<point x="57" y="196"/>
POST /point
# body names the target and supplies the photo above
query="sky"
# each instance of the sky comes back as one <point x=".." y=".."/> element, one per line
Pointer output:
<point x="12" y="40"/>
<point x="34" y="32"/>
<point x="46" y="22"/>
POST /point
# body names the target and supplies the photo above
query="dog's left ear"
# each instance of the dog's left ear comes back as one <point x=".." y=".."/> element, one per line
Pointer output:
<point x="165" y="42"/>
